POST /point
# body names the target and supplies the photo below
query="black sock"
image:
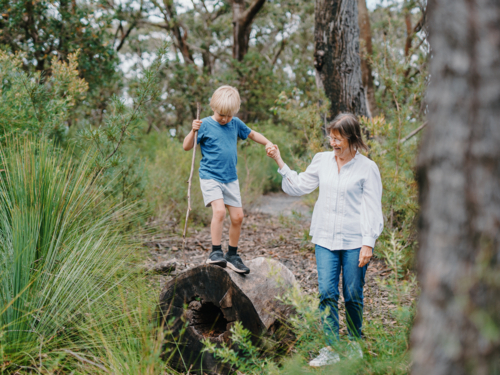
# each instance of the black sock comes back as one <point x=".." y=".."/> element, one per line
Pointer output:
<point x="216" y="248"/>
<point x="231" y="250"/>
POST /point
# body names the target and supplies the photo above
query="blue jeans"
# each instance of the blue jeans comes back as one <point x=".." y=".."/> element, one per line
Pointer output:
<point x="329" y="264"/>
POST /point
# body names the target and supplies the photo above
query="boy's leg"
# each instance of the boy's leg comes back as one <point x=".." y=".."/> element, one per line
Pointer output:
<point x="233" y="259"/>
<point x="218" y="214"/>
<point x="236" y="215"/>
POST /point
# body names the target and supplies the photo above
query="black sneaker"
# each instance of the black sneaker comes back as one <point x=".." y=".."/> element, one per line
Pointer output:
<point x="236" y="264"/>
<point x="217" y="258"/>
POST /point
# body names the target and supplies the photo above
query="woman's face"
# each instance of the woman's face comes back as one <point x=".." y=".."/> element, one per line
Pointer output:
<point x="340" y="145"/>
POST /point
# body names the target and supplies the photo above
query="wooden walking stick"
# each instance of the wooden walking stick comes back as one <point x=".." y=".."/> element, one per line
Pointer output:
<point x="198" y="110"/>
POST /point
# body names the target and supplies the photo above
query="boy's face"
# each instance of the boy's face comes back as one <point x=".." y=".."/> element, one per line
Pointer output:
<point x="222" y="119"/>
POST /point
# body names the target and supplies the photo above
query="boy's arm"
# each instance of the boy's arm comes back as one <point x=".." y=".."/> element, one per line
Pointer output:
<point x="189" y="140"/>
<point x="259" y="138"/>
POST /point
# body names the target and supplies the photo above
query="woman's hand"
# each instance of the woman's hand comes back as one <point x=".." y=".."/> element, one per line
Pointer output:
<point x="273" y="152"/>
<point x="365" y="255"/>
<point x="196" y="125"/>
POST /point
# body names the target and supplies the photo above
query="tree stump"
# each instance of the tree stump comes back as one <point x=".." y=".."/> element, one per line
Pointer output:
<point x="205" y="301"/>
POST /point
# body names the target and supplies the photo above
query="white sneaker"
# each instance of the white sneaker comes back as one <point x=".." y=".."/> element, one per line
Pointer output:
<point x="326" y="357"/>
<point x="355" y="351"/>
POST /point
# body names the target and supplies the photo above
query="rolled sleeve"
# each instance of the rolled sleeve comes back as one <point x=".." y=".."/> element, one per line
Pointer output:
<point x="283" y="171"/>
<point x="369" y="241"/>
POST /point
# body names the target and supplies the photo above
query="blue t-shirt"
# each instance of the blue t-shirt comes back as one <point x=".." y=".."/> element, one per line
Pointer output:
<point x="218" y="147"/>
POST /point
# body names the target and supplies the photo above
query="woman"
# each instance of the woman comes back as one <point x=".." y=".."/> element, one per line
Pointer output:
<point x="346" y="222"/>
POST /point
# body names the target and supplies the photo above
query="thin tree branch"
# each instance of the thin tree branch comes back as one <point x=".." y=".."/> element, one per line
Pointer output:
<point x="198" y="110"/>
<point x="248" y="16"/>
<point x="413" y="133"/>
<point x="278" y="52"/>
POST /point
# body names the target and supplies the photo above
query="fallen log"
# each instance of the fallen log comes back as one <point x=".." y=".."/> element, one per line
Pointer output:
<point x="205" y="301"/>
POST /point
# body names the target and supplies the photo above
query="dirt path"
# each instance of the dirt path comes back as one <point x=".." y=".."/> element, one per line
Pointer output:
<point x="277" y="204"/>
<point x="284" y="238"/>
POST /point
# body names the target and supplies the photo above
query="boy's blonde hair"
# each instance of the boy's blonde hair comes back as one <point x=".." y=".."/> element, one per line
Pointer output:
<point x="225" y="101"/>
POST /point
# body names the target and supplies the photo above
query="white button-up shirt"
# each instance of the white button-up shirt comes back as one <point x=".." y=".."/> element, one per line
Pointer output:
<point x="348" y="213"/>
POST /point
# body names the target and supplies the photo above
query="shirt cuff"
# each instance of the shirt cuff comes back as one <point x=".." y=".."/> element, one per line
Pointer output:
<point x="283" y="171"/>
<point x="369" y="241"/>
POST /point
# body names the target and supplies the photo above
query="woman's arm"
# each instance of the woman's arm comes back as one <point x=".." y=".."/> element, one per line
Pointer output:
<point x="293" y="183"/>
<point x="372" y="220"/>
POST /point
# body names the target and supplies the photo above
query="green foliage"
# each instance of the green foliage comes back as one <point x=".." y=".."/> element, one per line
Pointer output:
<point x="47" y="31"/>
<point x="32" y="103"/>
<point x="168" y="174"/>
<point x="66" y="288"/>
<point x="60" y="245"/>
<point x="121" y="120"/>
<point x="247" y="358"/>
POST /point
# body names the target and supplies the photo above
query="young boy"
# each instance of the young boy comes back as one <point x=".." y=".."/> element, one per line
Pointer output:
<point x="217" y="136"/>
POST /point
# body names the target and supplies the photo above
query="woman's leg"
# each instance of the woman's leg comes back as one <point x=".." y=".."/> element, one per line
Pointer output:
<point x="353" y="280"/>
<point x="328" y="265"/>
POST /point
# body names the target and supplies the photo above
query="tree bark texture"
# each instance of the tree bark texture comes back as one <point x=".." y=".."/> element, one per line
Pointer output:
<point x="242" y="25"/>
<point x="336" y="56"/>
<point x="365" y="35"/>
<point x="210" y="299"/>
<point x="457" y="328"/>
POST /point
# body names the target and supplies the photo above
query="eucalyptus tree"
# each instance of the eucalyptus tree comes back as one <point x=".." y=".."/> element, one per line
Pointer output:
<point x="458" y="319"/>
<point x="336" y="56"/>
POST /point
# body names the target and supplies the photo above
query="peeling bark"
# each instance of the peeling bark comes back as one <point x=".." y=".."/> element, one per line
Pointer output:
<point x="457" y="329"/>
<point x="365" y="35"/>
<point x="336" y="56"/>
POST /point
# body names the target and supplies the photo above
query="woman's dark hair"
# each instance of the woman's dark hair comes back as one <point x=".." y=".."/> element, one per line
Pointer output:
<point x="347" y="125"/>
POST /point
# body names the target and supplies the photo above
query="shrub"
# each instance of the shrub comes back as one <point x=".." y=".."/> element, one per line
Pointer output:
<point x="33" y="103"/>
<point x="65" y="283"/>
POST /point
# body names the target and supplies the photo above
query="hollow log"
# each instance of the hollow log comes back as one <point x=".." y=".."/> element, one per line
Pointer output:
<point x="205" y="301"/>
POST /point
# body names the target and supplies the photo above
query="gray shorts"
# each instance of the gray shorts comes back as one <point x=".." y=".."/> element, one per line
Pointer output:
<point x="213" y="190"/>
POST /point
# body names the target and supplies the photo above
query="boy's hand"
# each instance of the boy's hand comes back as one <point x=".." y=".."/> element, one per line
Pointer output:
<point x="196" y="125"/>
<point x="269" y="146"/>
<point x="273" y="152"/>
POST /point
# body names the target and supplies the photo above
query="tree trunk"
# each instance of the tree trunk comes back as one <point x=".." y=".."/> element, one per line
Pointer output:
<point x="336" y="56"/>
<point x="457" y="329"/>
<point x="242" y="25"/>
<point x="365" y="35"/>
<point x="217" y="297"/>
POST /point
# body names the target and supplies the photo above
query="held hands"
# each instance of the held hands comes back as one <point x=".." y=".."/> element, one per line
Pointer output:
<point x="273" y="151"/>
<point x="196" y="125"/>
<point x="269" y="146"/>
<point x="365" y="255"/>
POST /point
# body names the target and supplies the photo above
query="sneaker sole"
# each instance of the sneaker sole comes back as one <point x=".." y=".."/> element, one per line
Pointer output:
<point x="230" y="265"/>
<point x="220" y="263"/>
